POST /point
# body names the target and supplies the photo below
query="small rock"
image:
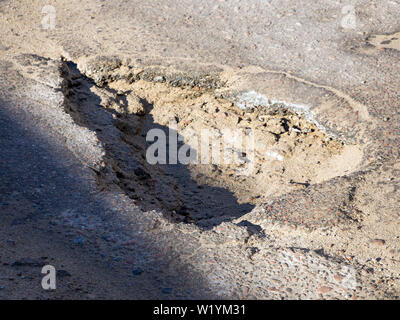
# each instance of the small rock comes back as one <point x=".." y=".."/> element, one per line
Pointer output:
<point x="134" y="105"/>
<point x="79" y="240"/>
<point x="324" y="289"/>
<point x="166" y="290"/>
<point x="158" y="79"/>
<point x="338" y="277"/>
<point x="379" y="242"/>
<point x="137" y="271"/>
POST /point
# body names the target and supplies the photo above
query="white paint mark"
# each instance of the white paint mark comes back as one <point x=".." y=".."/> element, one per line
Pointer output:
<point x="252" y="99"/>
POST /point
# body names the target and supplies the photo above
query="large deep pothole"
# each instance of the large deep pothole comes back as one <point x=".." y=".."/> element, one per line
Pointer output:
<point x="289" y="152"/>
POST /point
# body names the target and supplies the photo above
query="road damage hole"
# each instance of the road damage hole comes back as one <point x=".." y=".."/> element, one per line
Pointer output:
<point x="285" y="152"/>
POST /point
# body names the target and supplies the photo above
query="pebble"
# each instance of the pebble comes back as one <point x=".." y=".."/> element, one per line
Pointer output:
<point x="137" y="271"/>
<point x="324" y="289"/>
<point x="338" y="277"/>
<point x="158" y="79"/>
<point x="379" y="242"/>
<point x="79" y="240"/>
<point x="166" y="290"/>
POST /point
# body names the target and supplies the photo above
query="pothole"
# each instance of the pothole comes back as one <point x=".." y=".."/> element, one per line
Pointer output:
<point x="275" y="151"/>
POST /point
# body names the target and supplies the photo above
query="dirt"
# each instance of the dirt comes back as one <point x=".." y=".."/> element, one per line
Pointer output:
<point x="284" y="151"/>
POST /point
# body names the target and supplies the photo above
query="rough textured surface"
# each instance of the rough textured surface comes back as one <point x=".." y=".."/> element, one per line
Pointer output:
<point x="335" y="237"/>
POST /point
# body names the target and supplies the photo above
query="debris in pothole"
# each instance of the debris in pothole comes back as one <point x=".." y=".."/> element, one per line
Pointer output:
<point x="236" y="157"/>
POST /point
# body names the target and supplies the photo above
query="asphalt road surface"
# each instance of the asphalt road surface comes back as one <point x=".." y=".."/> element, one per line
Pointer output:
<point x="335" y="238"/>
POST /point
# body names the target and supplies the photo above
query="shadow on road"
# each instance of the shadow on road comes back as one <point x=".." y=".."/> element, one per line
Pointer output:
<point x="166" y="187"/>
<point x="53" y="214"/>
